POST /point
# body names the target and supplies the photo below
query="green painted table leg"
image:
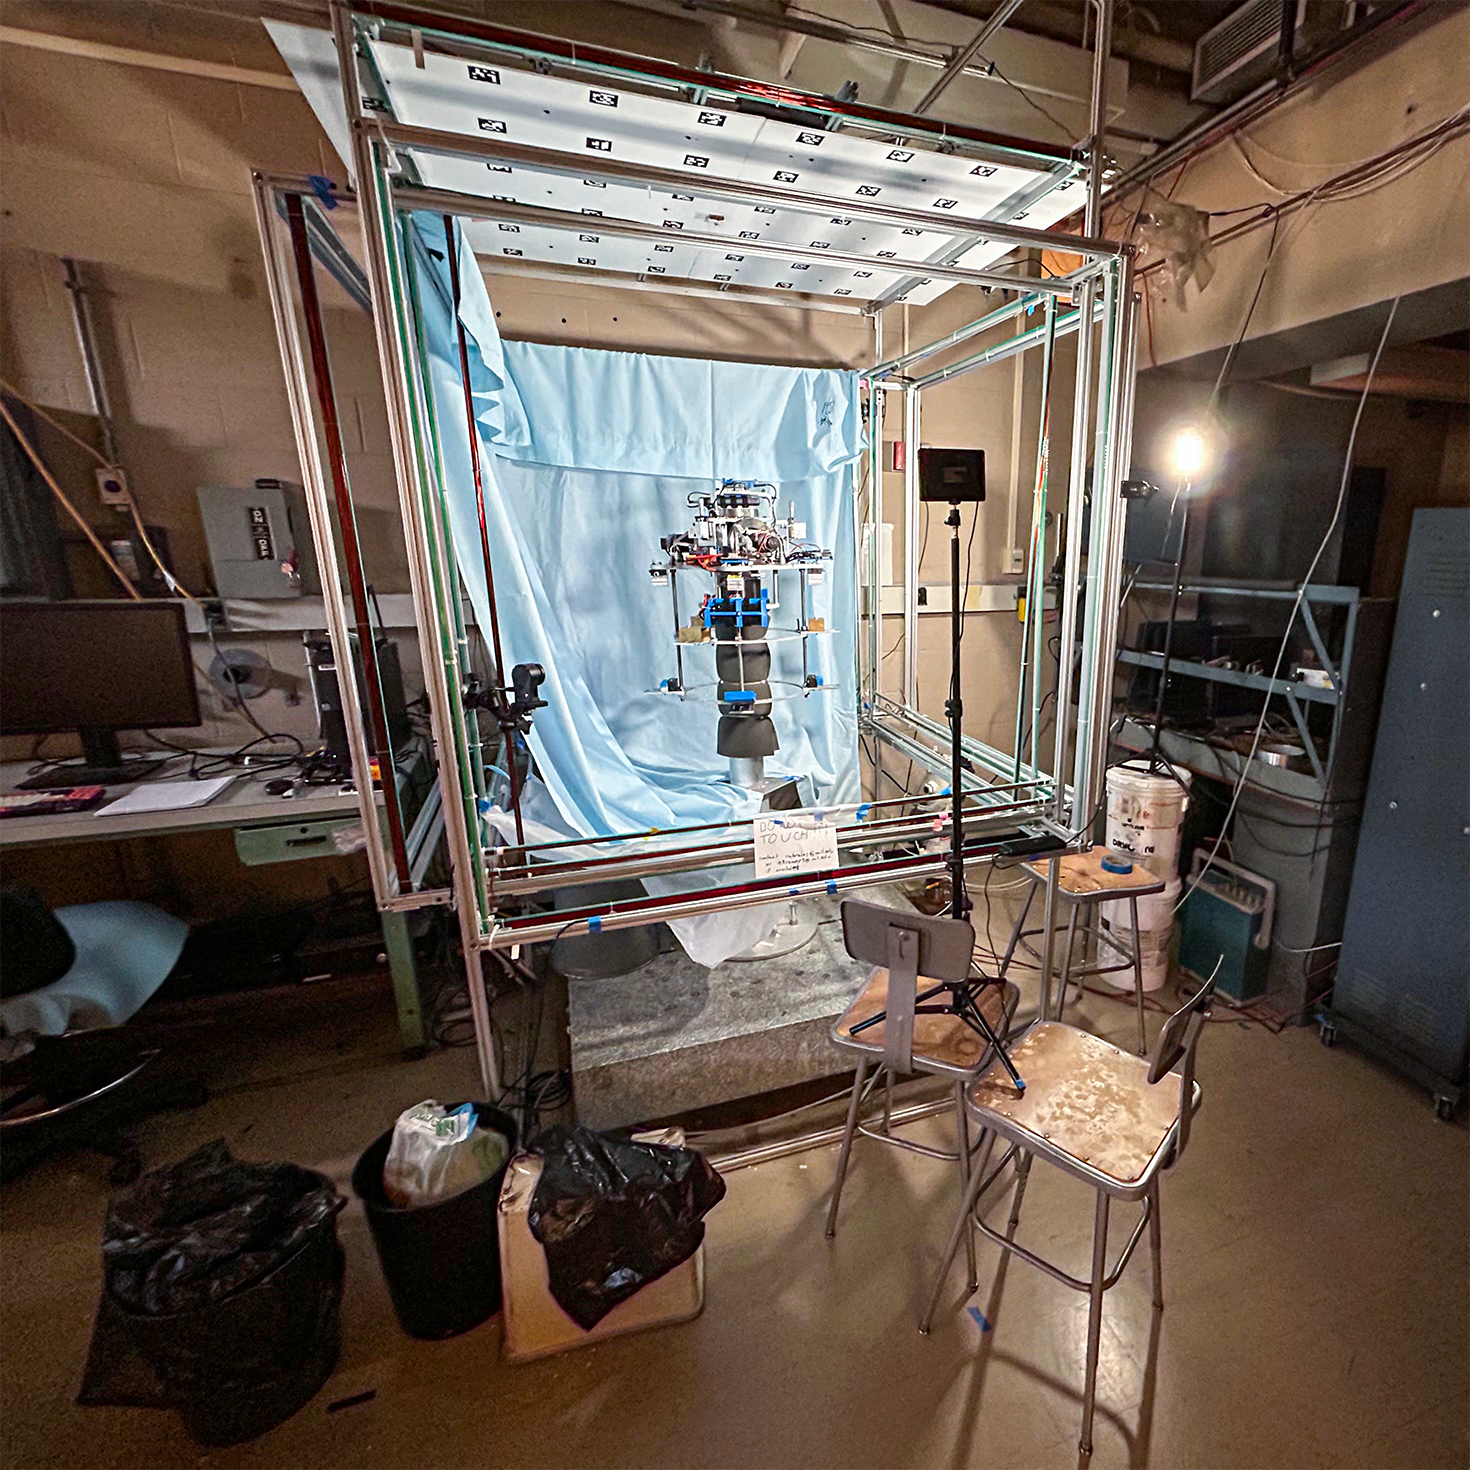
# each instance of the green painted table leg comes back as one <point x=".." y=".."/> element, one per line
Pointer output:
<point x="399" y="944"/>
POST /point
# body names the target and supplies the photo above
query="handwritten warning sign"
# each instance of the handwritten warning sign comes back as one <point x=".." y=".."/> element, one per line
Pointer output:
<point x="794" y="842"/>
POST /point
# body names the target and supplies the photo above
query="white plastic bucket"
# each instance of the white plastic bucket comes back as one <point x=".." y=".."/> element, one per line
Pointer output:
<point x="1155" y="933"/>
<point x="1145" y="815"/>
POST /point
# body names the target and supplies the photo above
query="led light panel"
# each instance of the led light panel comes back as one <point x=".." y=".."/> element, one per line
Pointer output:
<point x="702" y="141"/>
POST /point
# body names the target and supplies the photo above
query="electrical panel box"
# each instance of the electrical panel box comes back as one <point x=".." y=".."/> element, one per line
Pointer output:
<point x="259" y="540"/>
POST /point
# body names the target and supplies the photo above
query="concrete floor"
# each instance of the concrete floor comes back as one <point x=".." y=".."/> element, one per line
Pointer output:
<point x="1315" y="1256"/>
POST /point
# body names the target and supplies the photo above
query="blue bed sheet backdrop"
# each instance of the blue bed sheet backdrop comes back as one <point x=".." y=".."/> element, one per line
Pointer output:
<point x="587" y="459"/>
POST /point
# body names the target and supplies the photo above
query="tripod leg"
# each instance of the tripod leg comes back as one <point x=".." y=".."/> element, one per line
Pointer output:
<point x="972" y="1013"/>
<point x="878" y="1017"/>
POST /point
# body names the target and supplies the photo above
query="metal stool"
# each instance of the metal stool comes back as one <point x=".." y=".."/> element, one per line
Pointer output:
<point x="1082" y="884"/>
<point x="914" y="1036"/>
<point x="1112" y="1120"/>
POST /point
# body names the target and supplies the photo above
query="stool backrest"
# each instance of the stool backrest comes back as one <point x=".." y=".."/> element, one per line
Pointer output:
<point x="908" y="944"/>
<point x="1176" y="1046"/>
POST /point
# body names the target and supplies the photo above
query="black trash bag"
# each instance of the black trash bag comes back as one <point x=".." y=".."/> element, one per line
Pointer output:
<point x="226" y="1278"/>
<point x="614" y="1215"/>
<point x="199" y="1230"/>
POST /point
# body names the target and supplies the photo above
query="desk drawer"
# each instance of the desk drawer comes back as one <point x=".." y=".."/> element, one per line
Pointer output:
<point x="285" y="842"/>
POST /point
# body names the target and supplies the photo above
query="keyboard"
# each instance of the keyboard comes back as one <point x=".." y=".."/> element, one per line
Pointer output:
<point x="50" y="803"/>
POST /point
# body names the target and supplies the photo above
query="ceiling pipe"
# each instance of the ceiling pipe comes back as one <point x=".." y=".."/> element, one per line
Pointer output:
<point x="1158" y="51"/>
<point x="1102" y="39"/>
<point x="966" y="54"/>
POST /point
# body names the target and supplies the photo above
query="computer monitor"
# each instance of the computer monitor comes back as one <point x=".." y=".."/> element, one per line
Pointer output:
<point x="95" y="667"/>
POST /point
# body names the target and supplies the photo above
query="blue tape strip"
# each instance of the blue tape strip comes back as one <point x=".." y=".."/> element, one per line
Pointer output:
<point x="863" y="810"/>
<point x="740" y="696"/>
<point x="832" y="887"/>
<point x="594" y="925"/>
<point x="324" y="188"/>
<point x="982" y="1321"/>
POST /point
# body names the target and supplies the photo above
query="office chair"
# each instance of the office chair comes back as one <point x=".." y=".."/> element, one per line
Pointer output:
<point x="1111" y="1119"/>
<point x="73" y="1075"/>
<point x="912" y="953"/>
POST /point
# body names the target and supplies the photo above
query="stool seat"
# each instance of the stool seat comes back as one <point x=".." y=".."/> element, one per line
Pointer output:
<point x="1088" y="1107"/>
<point x="1082" y="876"/>
<point x="942" y="1043"/>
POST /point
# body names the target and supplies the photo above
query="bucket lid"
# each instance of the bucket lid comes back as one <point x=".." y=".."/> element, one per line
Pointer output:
<point x="1135" y="775"/>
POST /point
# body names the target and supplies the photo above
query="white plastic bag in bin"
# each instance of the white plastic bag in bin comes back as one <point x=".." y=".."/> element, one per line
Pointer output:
<point x="435" y="1154"/>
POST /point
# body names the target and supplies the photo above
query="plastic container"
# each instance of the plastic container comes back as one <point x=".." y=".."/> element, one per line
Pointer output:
<point x="1155" y="934"/>
<point x="244" y="1364"/>
<point x="1145" y="815"/>
<point x="441" y="1261"/>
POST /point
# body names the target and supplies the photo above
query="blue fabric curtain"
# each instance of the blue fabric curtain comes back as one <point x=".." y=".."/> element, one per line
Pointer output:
<point x="587" y="459"/>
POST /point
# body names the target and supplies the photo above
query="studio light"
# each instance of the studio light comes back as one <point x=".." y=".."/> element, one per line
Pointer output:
<point x="1189" y="452"/>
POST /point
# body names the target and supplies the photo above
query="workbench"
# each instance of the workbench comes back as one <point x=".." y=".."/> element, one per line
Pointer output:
<point x="314" y="823"/>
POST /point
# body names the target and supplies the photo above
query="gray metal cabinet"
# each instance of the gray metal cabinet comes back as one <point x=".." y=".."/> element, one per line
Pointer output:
<point x="1403" y="980"/>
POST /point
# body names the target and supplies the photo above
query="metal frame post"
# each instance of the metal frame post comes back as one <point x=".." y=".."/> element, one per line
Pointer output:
<point x="473" y="435"/>
<point x="347" y="529"/>
<point x="912" y="514"/>
<point x="1099" y="535"/>
<point x="385" y="878"/>
<point x="1072" y="562"/>
<point x="1031" y="639"/>
<point x="376" y="223"/>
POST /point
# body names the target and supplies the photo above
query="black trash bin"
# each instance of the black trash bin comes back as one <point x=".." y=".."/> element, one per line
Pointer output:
<point x="441" y="1261"/>
<point x="243" y="1365"/>
<point x="227" y="1278"/>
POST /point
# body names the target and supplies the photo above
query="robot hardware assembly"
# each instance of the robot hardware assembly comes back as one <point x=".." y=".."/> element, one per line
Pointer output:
<point x="737" y="539"/>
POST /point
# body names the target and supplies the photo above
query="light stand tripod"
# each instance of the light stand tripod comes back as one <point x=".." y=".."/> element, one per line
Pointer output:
<point x="960" y="995"/>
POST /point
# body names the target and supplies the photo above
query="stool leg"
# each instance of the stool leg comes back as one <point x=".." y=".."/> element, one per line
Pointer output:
<point x="1048" y="923"/>
<point x="1015" y="939"/>
<point x="1156" y="1242"/>
<point x="845" y="1151"/>
<point x="1023" y="1172"/>
<point x="962" y="1139"/>
<point x="961" y="1227"/>
<point x="1094" y="1316"/>
<point x="1067" y="962"/>
<point x="1138" y="977"/>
